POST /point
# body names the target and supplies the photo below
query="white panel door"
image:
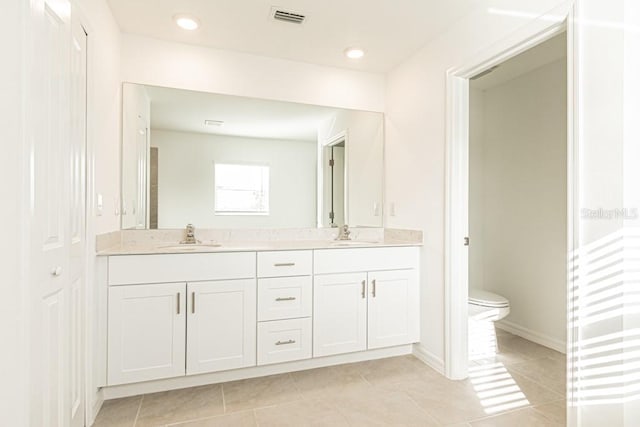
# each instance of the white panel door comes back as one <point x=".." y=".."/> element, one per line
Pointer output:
<point x="77" y="219"/>
<point x="146" y="332"/>
<point x="50" y="281"/>
<point x="393" y="308"/>
<point x="339" y="313"/>
<point x="221" y="325"/>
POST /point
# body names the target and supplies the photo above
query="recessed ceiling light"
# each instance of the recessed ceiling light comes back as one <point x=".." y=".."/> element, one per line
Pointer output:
<point x="186" y="22"/>
<point x="213" y="122"/>
<point x="354" y="53"/>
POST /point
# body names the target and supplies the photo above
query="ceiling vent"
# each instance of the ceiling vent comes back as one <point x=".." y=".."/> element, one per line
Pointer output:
<point x="286" y="16"/>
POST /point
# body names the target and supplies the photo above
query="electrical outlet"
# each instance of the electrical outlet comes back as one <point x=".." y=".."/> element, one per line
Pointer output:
<point x="392" y="209"/>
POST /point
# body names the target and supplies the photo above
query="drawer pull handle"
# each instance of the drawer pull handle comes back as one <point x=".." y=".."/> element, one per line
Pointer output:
<point x="285" y="298"/>
<point x="284" y="264"/>
<point x="286" y="342"/>
<point x="373" y="282"/>
<point x="178" y="302"/>
<point x="193" y="303"/>
<point x="363" y="293"/>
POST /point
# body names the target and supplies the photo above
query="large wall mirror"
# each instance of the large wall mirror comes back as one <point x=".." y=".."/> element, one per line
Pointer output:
<point x="220" y="161"/>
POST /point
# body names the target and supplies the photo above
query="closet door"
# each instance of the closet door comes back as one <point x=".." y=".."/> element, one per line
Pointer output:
<point x="54" y="300"/>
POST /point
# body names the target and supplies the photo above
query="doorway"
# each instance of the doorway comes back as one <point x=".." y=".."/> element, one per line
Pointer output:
<point x="457" y="249"/>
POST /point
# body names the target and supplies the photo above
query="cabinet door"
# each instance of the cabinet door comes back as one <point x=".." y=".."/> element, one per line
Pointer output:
<point x="393" y="308"/>
<point x="146" y="332"/>
<point x="339" y="313"/>
<point x="221" y="325"/>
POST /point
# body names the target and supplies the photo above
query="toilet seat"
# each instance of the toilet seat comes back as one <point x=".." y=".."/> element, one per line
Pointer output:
<point x="482" y="298"/>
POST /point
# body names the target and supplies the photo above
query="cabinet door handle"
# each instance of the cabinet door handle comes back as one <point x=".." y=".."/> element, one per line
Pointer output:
<point x="285" y="342"/>
<point x="363" y="293"/>
<point x="193" y="302"/>
<point x="285" y="298"/>
<point x="284" y="264"/>
<point x="373" y="283"/>
<point x="178" y="302"/>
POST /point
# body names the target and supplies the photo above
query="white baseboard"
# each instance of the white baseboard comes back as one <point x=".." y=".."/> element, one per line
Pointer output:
<point x="533" y="336"/>
<point x="114" y="392"/>
<point x="428" y="358"/>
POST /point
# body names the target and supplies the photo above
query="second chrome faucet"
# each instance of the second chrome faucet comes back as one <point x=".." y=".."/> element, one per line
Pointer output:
<point x="190" y="235"/>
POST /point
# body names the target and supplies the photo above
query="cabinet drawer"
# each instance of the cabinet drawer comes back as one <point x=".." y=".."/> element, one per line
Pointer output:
<point x="284" y="298"/>
<point x="328" y="261"/>
<point x="284" y="340"/>
<point x="284" y="263"/>
<point x="135" y="269"/>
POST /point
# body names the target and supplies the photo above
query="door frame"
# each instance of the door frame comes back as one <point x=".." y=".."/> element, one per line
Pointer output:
<point x="342" y="136"/>
<point x="457" y="173"/>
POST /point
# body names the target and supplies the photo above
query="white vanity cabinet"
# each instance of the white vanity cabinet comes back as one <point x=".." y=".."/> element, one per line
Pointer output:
<point x="177" y="315"/>
<point x="146" y="332"/>
<point x="204" y="323"/>
<point x="374" y="306"/>
<point x="284" y="306"/>
<point x="339" y="313"/>
<point x="221" y="325"/>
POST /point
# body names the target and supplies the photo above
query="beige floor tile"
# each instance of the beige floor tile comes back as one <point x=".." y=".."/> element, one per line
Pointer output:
<point x="527" y="417"/>
<point x="118" y="412"/>
<point x="299" y="414"/>
<point x="556" y="411"/>
<point x="237" y="419"/>
<point x="496" y="385"/>
<point x="330" y="381"/>
<point x="259" y="392"/>
<point x="449" y="402"/>
<point x="382" y="409"/>
<point x="531" y="349"/>
<point x="548" y="371"/>
<point x="180" y="405"/>
<point x="394" y="370"/>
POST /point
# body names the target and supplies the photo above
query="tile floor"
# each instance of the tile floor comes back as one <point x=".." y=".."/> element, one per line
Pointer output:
<point x="522" y="386"/>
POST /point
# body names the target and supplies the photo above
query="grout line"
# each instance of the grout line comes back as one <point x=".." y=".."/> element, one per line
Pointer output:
<point x="135" y="421"/>
<point x="224" y="400"/>
<point x="421" y="408"/>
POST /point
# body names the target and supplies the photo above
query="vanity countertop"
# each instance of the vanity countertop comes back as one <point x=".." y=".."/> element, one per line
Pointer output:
<point x="247" y="246"/>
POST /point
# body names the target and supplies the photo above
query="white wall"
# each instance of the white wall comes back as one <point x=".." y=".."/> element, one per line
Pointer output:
<point x="104" y="115"/>
<point x="13" y="317"/>
<point x="185" y="179"/>
<point x="415" y="139"/>
<point x="476" y="186"/>
<point x="160" y="63"/>
<point x="104" y="110"/>
<point x="518" y="199"/>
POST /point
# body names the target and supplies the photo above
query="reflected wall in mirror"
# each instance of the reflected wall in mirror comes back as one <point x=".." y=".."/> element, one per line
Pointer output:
<point x="220" y="161"/>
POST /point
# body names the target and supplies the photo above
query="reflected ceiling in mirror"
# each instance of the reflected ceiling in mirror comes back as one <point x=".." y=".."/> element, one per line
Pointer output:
<point x="220" y="161"/>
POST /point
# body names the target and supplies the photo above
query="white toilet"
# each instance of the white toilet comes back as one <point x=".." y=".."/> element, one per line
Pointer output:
<point x="485" y="308"/>
<point x="485" y="305"/>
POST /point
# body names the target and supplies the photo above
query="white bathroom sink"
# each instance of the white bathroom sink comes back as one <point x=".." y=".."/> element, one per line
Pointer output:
<point x="351" y="243"/>
<point x="190" y="247"/>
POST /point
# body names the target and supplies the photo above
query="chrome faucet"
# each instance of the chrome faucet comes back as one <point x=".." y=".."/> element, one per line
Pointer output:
<point x="344" y="233"/>
<point x="190" y="238"/>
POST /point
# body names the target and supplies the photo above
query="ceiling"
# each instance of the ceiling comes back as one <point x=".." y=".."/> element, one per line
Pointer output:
<point x="186" y="111"/>
<point x="545" y="53"/>
<point x="390" y="31"/>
